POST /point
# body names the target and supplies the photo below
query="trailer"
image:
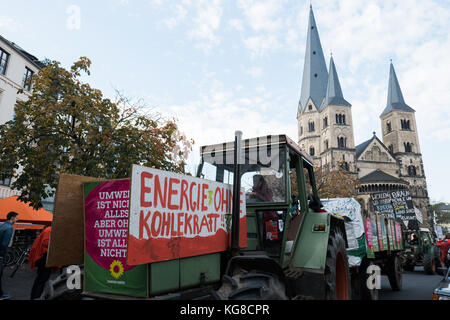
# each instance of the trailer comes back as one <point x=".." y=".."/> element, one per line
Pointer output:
<point x="373" y="241"/>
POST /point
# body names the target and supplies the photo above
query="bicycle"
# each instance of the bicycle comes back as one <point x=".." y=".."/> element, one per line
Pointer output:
<point x="21" y="259"/>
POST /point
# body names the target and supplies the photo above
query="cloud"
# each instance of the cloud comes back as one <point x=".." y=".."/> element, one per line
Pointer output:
<point x="206" y="23"/>
<point x="255" y="72"/>
<point x="262" y="15"/>
<point x="9" y="23"/>
<point x="179" y="16"/>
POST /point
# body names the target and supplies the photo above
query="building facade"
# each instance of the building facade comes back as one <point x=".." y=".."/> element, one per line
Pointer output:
<point x="325" y="130"/>
<point x="17" y="68"/>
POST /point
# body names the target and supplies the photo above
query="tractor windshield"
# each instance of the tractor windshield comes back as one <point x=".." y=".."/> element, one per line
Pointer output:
<point x="263" y="176"/>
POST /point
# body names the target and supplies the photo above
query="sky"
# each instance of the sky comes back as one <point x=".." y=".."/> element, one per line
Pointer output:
<point x="220" y="66"/>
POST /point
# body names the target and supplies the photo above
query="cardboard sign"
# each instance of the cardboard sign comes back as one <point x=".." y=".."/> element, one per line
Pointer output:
<point x="382" y="204"/>
<point x="106" y="233"/>
<point x="67" y="240"/>
<point x="398" y="235"/>
<point x="369" y="236"/>
<point x="175" y="216"/>
<point x="403" y="205"/>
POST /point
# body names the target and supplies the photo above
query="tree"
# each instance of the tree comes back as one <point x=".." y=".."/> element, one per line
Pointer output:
<point x="67" y="126"/>
<point x="330" y="184"/>
<point x="442" y="210"/>
<point x="336" y="183"/>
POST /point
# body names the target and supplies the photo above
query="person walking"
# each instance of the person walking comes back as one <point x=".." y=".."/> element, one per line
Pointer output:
<point x="6" y="232"/>
<point x="444" y="245"/>
<point x="38" y="258"/>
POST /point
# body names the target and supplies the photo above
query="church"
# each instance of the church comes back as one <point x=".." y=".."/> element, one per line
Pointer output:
<point x="325" y="131"/>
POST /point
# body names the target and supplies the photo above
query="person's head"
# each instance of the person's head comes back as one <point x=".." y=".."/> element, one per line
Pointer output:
<point x="447" y="235"/>
<point x="12" y="217"/>
<point x="257" y="178"/>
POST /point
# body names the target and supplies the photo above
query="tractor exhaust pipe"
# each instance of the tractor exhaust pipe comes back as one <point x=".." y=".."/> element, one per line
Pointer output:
<point x="235" y="214"/>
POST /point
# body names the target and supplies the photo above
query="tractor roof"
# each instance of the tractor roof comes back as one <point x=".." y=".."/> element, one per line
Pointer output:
<point x="270" y="140"/>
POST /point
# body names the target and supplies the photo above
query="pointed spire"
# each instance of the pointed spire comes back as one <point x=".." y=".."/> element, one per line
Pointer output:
<point x="315" y="74"/>
<point x="334" y="91"/>
<point x="395" y="97"/>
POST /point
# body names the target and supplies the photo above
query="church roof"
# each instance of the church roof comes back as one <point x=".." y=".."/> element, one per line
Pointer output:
<point x="395" y="96"/>
<point x="380" y="176"/>
<point x="334" y="92"/>
<point x="315" y="73"/>
<point x="359" y="149"/>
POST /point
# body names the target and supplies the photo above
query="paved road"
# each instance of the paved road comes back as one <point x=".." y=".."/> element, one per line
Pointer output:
<point x="19" y="287"/>
<point x="416" y="286"/>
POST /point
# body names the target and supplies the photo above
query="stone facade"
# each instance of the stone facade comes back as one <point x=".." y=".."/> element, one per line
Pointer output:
<point x="327" y="133"/>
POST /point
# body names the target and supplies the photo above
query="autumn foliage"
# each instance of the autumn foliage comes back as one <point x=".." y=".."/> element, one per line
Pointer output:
<point x="67" y="126"/>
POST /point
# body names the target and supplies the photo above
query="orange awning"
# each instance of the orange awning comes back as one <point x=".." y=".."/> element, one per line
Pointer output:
<point x="26" y="213"/>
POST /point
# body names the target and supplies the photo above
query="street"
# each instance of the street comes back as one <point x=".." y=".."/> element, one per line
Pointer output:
<point x="416" y="285"/>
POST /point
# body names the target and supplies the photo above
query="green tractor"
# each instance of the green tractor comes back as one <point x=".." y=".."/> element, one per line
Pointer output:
<point x="421" y="251"/>
<point x="295" y="249"/>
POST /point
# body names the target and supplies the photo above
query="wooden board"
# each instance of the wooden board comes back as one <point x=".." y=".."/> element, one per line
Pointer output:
<point x="67" y="237"/>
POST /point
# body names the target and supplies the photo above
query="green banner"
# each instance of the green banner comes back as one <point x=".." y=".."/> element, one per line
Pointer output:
<point x="106" y="232"/>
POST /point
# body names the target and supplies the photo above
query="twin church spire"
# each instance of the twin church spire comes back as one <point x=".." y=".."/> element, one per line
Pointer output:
<point x="323" y="88"/>
<point x="318" y="85"/>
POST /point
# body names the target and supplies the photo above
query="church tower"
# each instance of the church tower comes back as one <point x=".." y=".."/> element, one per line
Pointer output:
<point x="338" y="143"/>
<point x="313" y="91"/>
<point x="400" y="135"/>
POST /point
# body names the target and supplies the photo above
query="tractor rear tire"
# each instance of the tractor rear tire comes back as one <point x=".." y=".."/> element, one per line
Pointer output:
<point x="337" y="277"/>
<point x="394" y="273"/>
<point x="429" y="265"/>
<point x="253" y="285"/>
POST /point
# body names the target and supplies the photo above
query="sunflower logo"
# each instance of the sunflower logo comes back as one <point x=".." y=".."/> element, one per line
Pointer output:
<point x="116" y="269"/>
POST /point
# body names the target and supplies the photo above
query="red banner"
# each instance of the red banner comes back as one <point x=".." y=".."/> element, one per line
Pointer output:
<point x="176" y="216"/>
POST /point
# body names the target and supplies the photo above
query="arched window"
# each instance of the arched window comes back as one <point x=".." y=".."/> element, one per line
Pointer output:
<point x="342" y="142"/>
<point x="340" y="118"/>
<point x="408" y="147"/>
<point x="388" y="126"/>
<point x="412" y="172"/>
<point x="325" y="122"/>
<point x="312" y="151"/>
<point x="406" y="124"/>
<point x="311" y="127"/>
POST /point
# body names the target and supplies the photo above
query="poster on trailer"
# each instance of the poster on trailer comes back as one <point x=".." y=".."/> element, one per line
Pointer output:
<point x="175" y="216"/>
<point x="106" y="234"/>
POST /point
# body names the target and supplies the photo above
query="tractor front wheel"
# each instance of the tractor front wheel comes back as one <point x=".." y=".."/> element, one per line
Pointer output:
<point x="337" y="276"/>
<point x="252" y="285"/>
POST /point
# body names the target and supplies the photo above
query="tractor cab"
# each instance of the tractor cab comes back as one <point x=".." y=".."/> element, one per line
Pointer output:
<point x="279" y="187"/>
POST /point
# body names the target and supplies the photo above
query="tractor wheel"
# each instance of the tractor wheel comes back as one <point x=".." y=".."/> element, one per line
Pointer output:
<point x="429" y="265"/>
<point x="253" y="285"/>
<point x="337" y="278"/>
<point x="394" y="273"/>
<point x="365" y="292"/>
